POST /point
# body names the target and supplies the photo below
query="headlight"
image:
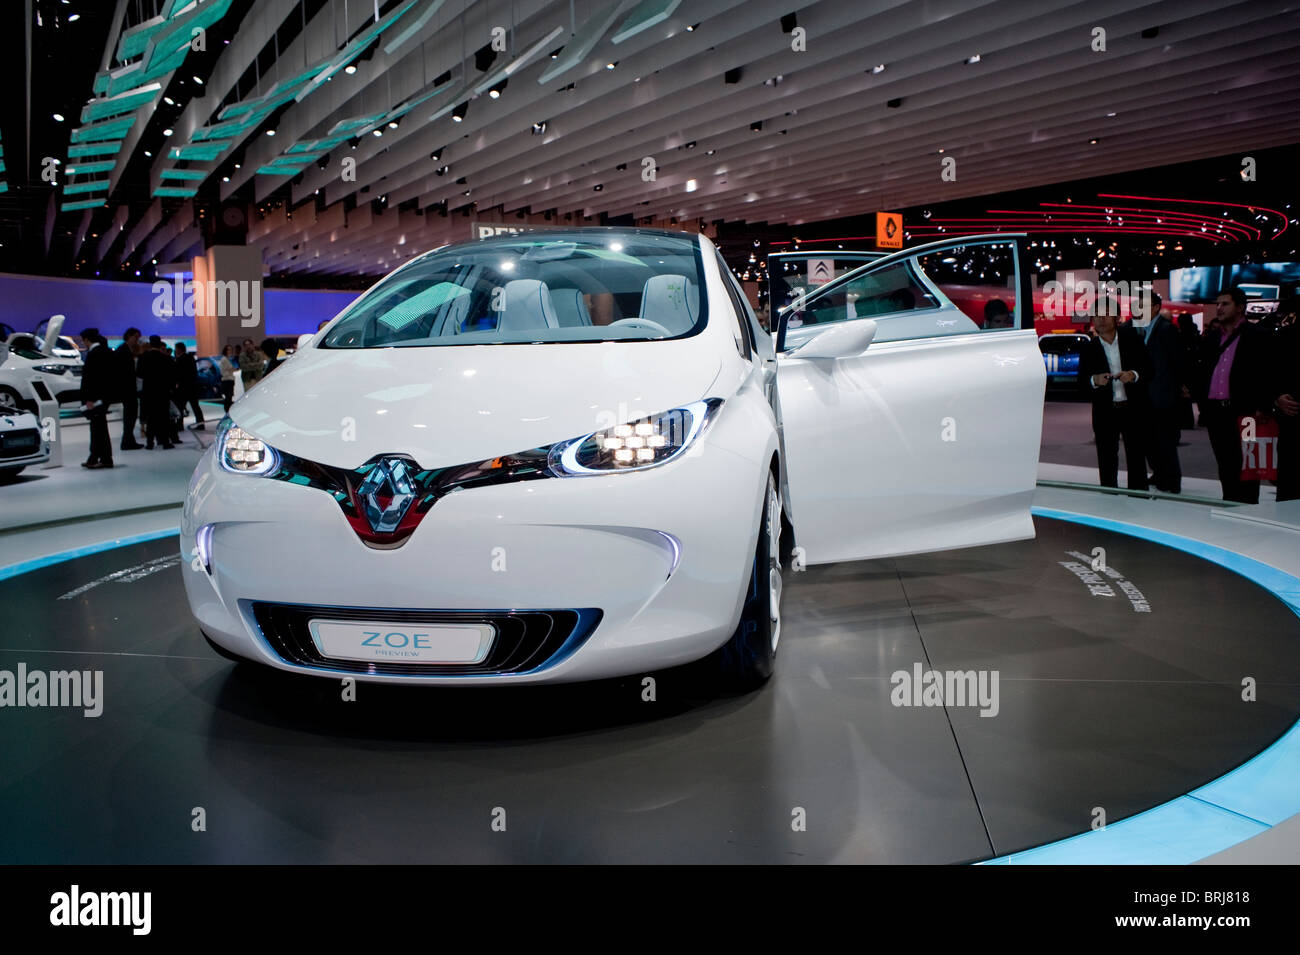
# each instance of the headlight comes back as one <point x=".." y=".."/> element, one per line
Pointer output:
<point x="242" y="453"/>
<point x="53" y="369"/>
<point x="634" y="445"/>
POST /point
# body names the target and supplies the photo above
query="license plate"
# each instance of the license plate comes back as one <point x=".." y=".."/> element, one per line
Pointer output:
<point x="375" y="642"/>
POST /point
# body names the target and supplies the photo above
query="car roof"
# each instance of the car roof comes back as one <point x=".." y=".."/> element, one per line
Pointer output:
<point x="575" y="232"/>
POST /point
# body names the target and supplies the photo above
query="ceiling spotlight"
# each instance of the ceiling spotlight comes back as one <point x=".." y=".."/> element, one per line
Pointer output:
<point x="756" y="126"/>
<point x="539" y="128"/>
<point x="458" y="114"/>
<point x="393" y="124"/>
<point x="1092" y="142"/>
<point x="58" y="117"/>
<point x="169" y="101"/>
<point x="1110" y="115"/>
<point x="496" y="91"/>
<point x="895" y="102"/>
<point x="878" y="68"/>
<point x="197" y="80"/>
<point x="350" y="69"/>
<point x="691" y="185"/>
<point x="972" y="60"/>
<point x="434" y="156"/>
<point x="377" y="132"/>
<point x="710" y="152"/>
<point x="149" y="154"/>
<point x="74" y="18"/>
<point x="354" y="142"/>
<point x="167" y="132"/>
<point x="611" y="64"/>
<point x="225" y="179"/>
<point x="598" y="187"/>
<point x="270" y="132"/>
<point x="692" y="28"/>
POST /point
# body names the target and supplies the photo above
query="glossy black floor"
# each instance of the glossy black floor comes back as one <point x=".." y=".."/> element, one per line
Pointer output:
<point x="1099" y="706"/>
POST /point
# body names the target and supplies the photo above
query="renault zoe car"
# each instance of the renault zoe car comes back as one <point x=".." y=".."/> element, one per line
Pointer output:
<point x="574" y="454"/>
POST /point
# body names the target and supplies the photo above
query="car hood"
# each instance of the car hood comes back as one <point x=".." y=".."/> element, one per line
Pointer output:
<point x="447" y="405"/>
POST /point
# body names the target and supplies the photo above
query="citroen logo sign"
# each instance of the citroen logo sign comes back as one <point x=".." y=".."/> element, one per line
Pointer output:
<point x="387" y="493"/>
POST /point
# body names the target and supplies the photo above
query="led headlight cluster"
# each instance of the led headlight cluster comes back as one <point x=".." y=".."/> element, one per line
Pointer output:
<point x="53" y="369"/>
<point x="243" y="453"/>
<point x="644" y="443"/>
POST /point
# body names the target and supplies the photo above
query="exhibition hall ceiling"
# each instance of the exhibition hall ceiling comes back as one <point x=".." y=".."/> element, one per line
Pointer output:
<point x="357" y="133"/>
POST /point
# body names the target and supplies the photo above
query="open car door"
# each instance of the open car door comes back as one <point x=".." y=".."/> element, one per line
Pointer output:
<point x="911" y="399"/>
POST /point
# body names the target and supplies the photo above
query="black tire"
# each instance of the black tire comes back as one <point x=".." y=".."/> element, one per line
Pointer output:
<point x="747" y="660"/>
<point x="9" y="474"/>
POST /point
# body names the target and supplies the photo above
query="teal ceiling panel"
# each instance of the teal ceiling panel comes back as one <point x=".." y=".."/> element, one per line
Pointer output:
<point x="77" y="187"/>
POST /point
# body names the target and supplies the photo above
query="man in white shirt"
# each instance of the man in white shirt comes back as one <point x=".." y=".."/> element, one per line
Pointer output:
<point x="1116" y="362"/>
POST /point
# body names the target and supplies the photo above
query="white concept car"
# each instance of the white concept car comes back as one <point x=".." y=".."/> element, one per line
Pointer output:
<point x="575" y="454"/>
<point x="22" y="442"/>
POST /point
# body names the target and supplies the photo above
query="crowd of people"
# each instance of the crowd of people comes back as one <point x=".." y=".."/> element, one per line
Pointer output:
<point x="1239" y="373"/>
<point x="154" y="384"/>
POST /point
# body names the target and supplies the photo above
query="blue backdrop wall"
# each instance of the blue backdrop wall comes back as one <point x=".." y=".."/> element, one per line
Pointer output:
<point x="28" y="300"/>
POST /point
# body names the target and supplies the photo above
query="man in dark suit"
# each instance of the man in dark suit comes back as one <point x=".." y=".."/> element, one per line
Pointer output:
<point x="98" y="391"/>
<point x="1285" y="390"/>
<point x="1165" y="389"/>
<point x="1234" y="368"/>
<point x="158" y="374"/>
<point x="1117" y="368"/>
<point x="124" y="356"/>
<point x="187" y="384"/>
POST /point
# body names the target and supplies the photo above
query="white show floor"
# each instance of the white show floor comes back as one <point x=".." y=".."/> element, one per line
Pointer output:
<point x="138" y="479"/>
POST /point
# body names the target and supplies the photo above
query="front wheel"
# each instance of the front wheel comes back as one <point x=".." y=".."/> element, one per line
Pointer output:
<point x="748" y="658"/>
<point x="9" y="474"/>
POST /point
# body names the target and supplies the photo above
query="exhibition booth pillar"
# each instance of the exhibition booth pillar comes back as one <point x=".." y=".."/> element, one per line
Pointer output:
<point x="228" y="297"/>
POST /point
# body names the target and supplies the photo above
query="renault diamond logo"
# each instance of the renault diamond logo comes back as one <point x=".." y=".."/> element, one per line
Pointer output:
<point x="386" y="494"/>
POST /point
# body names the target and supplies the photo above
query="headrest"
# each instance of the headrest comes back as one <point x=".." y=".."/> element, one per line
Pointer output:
<point x="571" y="307"/>
<point x="528" y="305"/>
<point x="671" y="300"/>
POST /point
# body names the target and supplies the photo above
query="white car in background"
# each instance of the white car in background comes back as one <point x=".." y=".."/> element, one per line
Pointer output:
<point x="64" y="347"/>
<point x="20" y="385"/>
<point x="61" y="375"/>
<point x="575" y="454"/>
<point x="22" y="442"/>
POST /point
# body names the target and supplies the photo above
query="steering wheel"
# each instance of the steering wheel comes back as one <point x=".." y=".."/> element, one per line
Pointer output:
<point x="644" y="323"/>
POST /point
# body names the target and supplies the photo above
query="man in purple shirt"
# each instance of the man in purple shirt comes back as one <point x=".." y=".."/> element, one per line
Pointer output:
<point x="1235" y="364"/>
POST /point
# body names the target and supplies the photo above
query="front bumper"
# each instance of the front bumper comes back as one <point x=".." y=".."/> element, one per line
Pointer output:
<point x="653" y="563"/>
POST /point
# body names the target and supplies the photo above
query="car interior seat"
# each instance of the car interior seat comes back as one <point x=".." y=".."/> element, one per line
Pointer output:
<point x="528" y="305"/>
<point x="571" y="307"/>
<point x="672" y="301"/>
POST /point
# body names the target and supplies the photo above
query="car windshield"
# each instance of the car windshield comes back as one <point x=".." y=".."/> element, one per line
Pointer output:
<point x="535" y="287"/>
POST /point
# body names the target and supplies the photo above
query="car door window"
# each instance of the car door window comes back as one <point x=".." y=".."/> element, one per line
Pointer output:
<point x="955" y="290"/>
<point x="886" y="294"/>
<point x="978" y="279"/>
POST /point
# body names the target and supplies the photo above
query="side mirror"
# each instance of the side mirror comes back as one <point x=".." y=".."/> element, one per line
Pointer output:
<point x="840" y="341"/>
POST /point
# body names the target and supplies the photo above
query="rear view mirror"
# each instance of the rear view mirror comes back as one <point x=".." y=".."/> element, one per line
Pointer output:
<point x="840" y="341"/>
